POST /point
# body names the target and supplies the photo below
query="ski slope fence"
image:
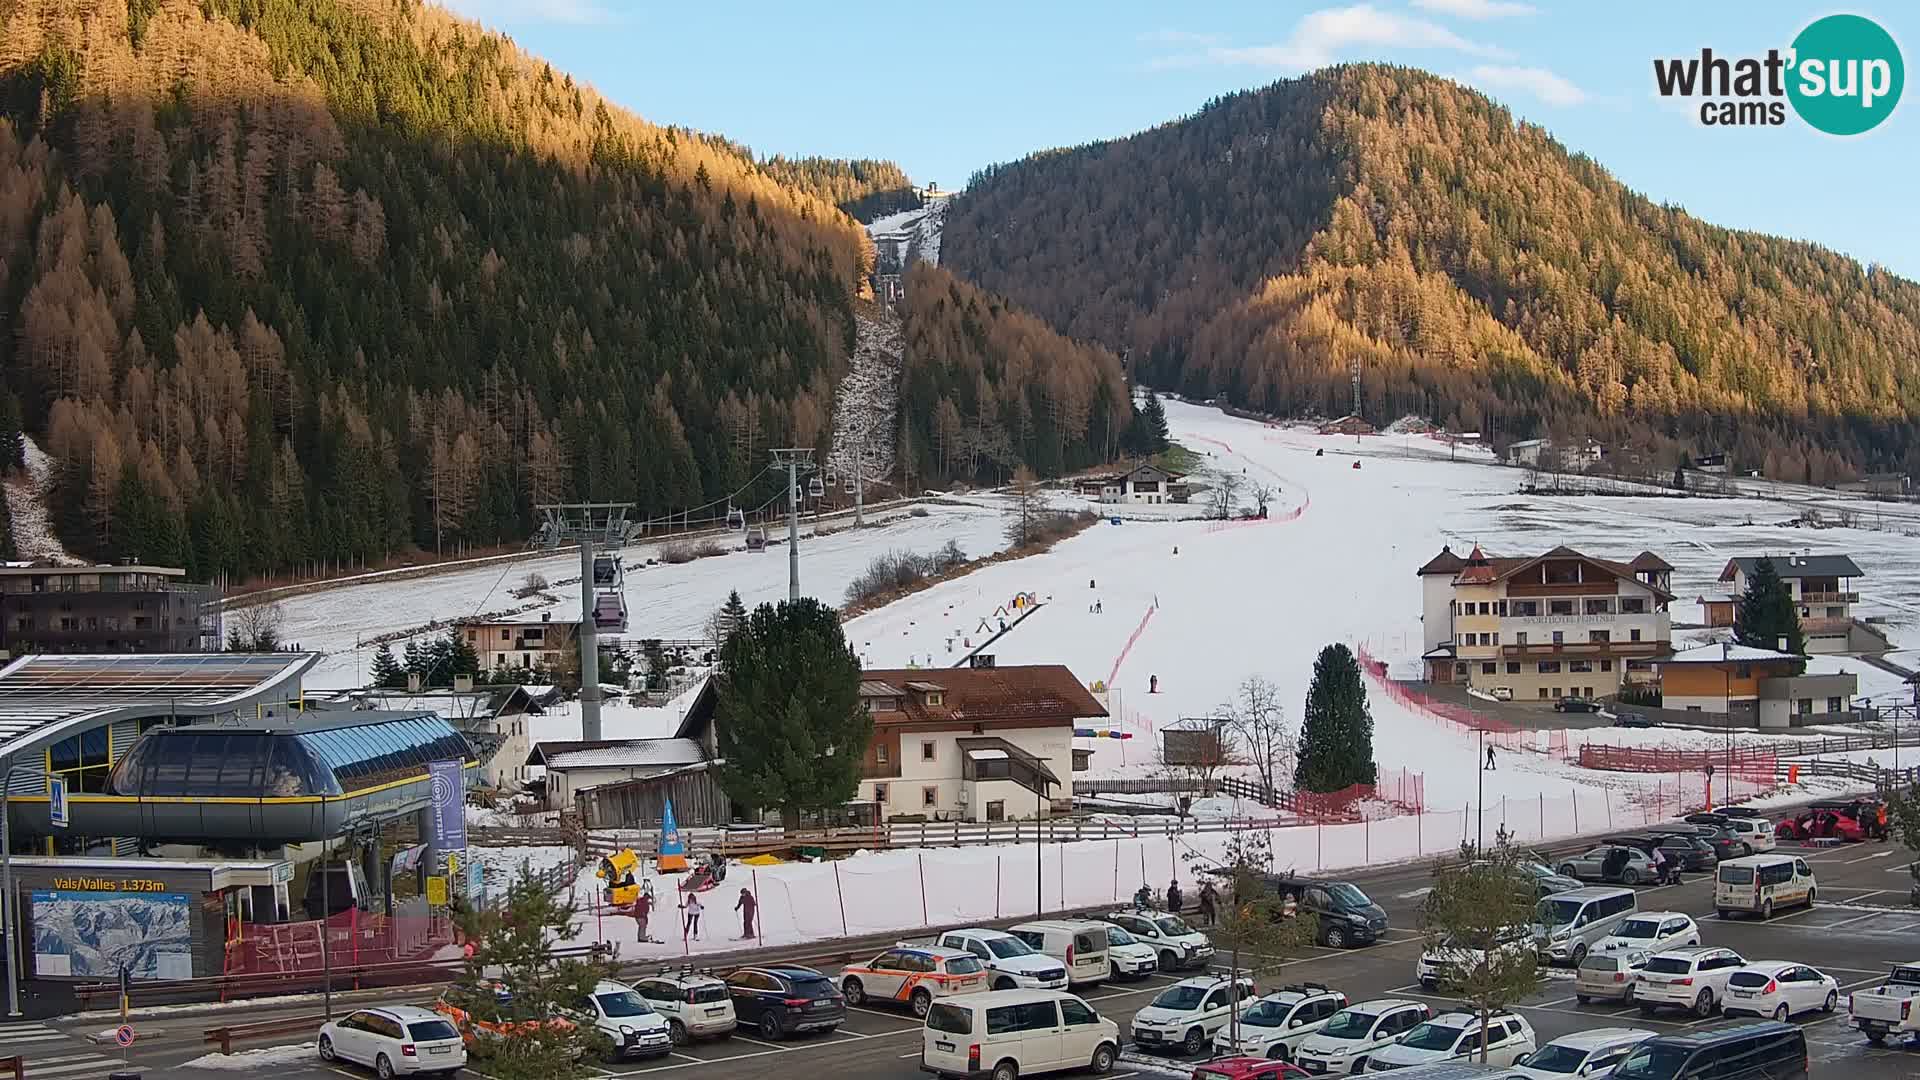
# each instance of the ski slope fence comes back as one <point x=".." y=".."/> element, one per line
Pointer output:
<point x="1495" y="731"/>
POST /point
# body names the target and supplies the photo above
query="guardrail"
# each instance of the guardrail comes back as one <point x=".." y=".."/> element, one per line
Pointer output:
<point x="223" y="1037"/>
<point x="915" y="834"/>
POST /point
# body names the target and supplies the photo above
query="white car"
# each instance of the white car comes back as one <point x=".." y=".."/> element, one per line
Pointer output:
<point x="1692" y="978"/>
<point x="627" y="1021"/>
<point x="1779" y="989"/>
<point x="1591" y="1055"/>
<point x="1341" y="1046"/>
<point x="1127" y="957"/>
<point x="1011" y="964"/>
<point x="1503" y="693"/>
<point x="1176" y="944"/>
<point x="1274" y="1026"/>
<point x="1438" y="963"/>
<point x="1456" y="1037"/>
<point x="395" y="1040"/>
<point x="1651" y="932"/>
<point x="696" y="1005"/>
<point x="1191" y="1013"/>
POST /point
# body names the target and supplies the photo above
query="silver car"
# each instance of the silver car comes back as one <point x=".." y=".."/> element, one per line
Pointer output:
<point x="1635" y="868"/>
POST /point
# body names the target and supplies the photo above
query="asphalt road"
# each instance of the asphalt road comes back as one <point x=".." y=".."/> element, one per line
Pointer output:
<point x="1850" y="935"/>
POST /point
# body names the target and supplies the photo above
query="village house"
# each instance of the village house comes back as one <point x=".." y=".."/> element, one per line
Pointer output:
<point x="973" y="743"/>
<point x="1544" y="626"/>
<point x="1880" y="485"/>
<point x="1754" y="687"/>
<point x="1822" y="591"/>
<point x="523" y="642"/>
<point x="1140" y="484"/>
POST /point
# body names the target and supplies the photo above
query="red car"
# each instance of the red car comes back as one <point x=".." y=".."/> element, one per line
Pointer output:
<point x="1818" y="823"/>
<point x="1248" y="1068"/>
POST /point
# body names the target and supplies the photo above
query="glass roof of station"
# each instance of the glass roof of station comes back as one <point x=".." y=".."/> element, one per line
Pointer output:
<point x="340" y="759"/>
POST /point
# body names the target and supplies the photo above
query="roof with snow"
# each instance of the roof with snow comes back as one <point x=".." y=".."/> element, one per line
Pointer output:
<point x="617" y="754"/>
<point x="1797" y="566"/>
<point x="1043" y="694"/>
<point x="1739" y="654"/>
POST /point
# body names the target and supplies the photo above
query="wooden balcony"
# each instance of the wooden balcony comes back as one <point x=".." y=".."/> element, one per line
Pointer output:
<point x="1830" y="598"/>
<point x="1548" y="650"/>
<point x="1563" y="588"/>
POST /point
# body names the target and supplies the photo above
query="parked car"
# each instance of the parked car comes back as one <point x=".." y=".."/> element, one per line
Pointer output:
<point x="1007" y="1034"/>
<point x="1608" y="976"/>
<point x="1779" y="989"/>
<point x="1502" y="693"/>
<point x="1342" y="1045"/>
<point x="782" y="1000"/>
<point x="1692" y="978"/>
<point x="395" y="1040"/>
<point x="1456" y="1035"/>
<point x="1761" y="883"/>
<point x="1572" y="704"/>
<point x="1591" y="1055"/>
<point x="1720" y="840"/>
<point x="1438" y="964"/>
<point x="1887" y="1009"/>
<point x="1547" y="881"/>
<point x="1651" y="932"/>
<point x="1817" y="823"/>
<point x="487" y="1009"/>
<point x="913" y="975"/>
<point x="1276" y="1024"/>
<point x="1128" y="958"/>
<point x="630" y="1026"/>
<point x="1753" y="833"/>
<point x="1764" y="1051"/>
<point x="1179" y="945"/>
<point x="1348" y="916"/>
<point x="1567" y="925"/>
<point x="1633" y="720"/>
<point x="1247" y="1068"/>
<point x="1685" y="851"/>
<point x="1631" y="867"/>
<point x="1011" y="963"/>
<point x="1079" y="946"/>
<point x="1189" y="1015"/>
<point x="696" y="1005"/>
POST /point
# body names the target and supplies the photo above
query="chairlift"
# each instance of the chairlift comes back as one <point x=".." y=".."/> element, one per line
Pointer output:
<point x="849" y="485"/>
<point x="606" y="570"/>
<point x="756" y="539"/>
<point x="610" y="612"/>
<point x="736" y="519"/>
<point x="815" y="488"/>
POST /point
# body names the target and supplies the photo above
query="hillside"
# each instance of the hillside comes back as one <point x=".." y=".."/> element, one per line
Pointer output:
<point x="295" y="282"/>
<point x="1479" y="273"/>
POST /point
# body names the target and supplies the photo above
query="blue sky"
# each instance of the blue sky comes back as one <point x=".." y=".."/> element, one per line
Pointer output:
<point x="944" y="89"/>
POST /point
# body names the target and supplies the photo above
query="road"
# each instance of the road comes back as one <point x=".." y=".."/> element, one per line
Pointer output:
<point x="1850" y="935"/>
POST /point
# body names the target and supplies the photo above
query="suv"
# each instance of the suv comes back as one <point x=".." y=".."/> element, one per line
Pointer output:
<point x="782" y="999"/>
<point x="1684" y="851"/>
<point x="1343" y="1043"/>
<point x="1456" y="1036"/>
<point x="1179" y="945"/>
<point x="1693" y="978"/>
<point x="1750" y="834"/>
<point x="696" y="1005"/>
<point x="394" y="1039"/>
<point x="1439" y="963"/>
<point x="1275" y="1025"/>
<point x="627" y="1021"/>
<point x="1191" y="1013"/>
<point x="1347" y="915"/>
<point x="914" y="974"/>
<point x="1011" y="963"/>
<point x="1584" y="1053"/>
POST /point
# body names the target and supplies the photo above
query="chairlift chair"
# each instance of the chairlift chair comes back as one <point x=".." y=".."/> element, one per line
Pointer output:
<point x="849" y="485"/>
<point x="815" y="488"/>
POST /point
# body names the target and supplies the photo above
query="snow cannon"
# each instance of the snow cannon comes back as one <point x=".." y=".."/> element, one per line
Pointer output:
<point x="618" y="870"/>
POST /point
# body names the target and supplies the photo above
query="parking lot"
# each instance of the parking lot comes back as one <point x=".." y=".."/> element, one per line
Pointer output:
<point x="1850" y="936"/>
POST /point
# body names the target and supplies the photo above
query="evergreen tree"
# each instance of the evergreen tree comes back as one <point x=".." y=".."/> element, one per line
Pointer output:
<point x="1153" y="420"/>
<point x="732" y="615"/>
<point x="1336" y="732"/>
<point x="461" y="657"/>
<point x="13" y="447"/>
<point x="387" y="673"/>
<point x="1766" y="615"/>
<point x="1477" y="914"/>
<point x="415" y="660"/>
<point x="790" y="724"/>
<point x="656" y="658"/>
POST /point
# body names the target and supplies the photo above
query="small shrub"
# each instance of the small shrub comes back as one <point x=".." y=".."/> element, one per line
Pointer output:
<point x="685" y="551"/>
<point x="918" y="511"/>
<point x="902" y="569"/>
<point x="1640" y="695"/>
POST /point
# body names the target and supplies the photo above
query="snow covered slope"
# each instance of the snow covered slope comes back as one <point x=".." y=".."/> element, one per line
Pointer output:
<point x="26" y="494"/>
<point x="913" y="234"/>
<point x="868" y="398"/>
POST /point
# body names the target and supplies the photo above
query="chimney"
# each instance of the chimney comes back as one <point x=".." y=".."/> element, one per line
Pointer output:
<point x="462" y="684"/>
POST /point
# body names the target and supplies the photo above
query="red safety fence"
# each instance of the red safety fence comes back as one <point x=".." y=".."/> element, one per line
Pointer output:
<point x="353" y="937"/>
<point x="1752" y="763"/>
<point x="1495" y="731"/>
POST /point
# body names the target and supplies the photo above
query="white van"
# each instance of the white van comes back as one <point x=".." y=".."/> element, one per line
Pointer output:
<point x="1080" y="944"/>
<point x="1761" y="883"/>
<point x="1007" y="1034"/>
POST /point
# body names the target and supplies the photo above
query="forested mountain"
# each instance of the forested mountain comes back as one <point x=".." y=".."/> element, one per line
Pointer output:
<point x="1478" y="272"/>
<point x="288" y="280"/>
<point x="865" y="189"/>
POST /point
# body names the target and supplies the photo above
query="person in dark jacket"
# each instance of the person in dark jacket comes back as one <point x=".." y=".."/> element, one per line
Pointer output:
<point x="746" y="906"/>
<point x="1143" y="899"/>
<point x="1174" y="899"/>
<point x="1209" y="902"/>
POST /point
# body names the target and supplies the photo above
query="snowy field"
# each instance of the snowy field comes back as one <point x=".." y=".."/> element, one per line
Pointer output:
<point x="668" y="602"/>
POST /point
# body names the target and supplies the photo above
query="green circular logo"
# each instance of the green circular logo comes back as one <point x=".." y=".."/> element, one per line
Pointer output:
<point x="1846" y="75"/>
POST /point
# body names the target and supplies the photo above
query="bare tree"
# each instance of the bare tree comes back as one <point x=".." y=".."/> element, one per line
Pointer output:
<point x="1258" y="722"/>
<point x="1223" y="491"/>
<point x="256" y="628"/>
<point x="1027" y="508"/>
<point x="1262" y="494"/>
<point x="1191" y="761"/>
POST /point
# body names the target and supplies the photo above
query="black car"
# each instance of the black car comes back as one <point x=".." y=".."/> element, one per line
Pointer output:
<point x="1576" y="704"/>
<point x="1633" y="719"/>
<point x="1724" y="843"/>
<point x="1763" y="1051"/>
<point x="1688" y="852"/>
<point x="1347" y="915"/>
<point x="785" y="999"/>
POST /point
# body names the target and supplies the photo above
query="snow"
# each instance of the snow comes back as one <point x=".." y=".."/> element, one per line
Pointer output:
<point x="1714" y="654"/>
<point x="499" y="866"/>
<point x="265" y="1057"/>
<point x="26" y="495"/>
<point x="642" y="753"/>
<point x="866" y="400"/>
<point x="920" y="227"/>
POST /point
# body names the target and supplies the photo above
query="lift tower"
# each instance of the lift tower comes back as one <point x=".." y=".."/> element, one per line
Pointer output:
<point x="603" y="602"/>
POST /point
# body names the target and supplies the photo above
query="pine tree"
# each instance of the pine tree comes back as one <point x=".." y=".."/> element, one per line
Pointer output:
<point x="1153" y="416"/>
<point x="387" y="673"/>
<point x="1336" y="733"/>
<point x="731" y="616"/>
<point x="415" y="662"/>
<point x="1766" y="615"/>
<point x="791" y="727"/>
<point x="13" y="449"/>
<point x="513" y="943"/>
<point x="461" y="657"/>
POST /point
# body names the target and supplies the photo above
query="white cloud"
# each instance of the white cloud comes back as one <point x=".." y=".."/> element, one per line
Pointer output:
<point x="495" y="12"/>
<point x="1475" y="9"/>
<point x="1541" y="83"/>
<point x="1322" y="36"/>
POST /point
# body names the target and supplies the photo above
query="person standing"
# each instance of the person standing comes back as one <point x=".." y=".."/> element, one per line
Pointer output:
<point x="1489" y="759"/>
<point x="692" y="908"/>
<point x="1659" y="864"/>
<point x="642" y="911"/>
<point x="746" y="906"/>
<point x="1174" y="899"/>
<point x="1209" y="902"/>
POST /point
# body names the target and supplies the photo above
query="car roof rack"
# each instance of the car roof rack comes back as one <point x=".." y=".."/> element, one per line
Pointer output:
<point x="1306" y="987"/>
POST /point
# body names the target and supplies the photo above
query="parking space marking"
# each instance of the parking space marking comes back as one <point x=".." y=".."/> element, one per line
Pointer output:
<point x="1867" y="858"/>
<point x="690" y="1057"/>
<point x="873" y="1012"/>
<point x="1850" y="922"/>
<point x="757" y="1042"/>
<point x="843" y="1033"/>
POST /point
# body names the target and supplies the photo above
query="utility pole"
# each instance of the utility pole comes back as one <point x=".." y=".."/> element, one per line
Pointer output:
<point x="795" y="460"/>
<point x="588" y="524"/>
<point x="589" y="649"/>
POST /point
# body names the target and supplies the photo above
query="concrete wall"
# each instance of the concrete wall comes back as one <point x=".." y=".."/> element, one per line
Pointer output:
<point x="1436" y="617"/>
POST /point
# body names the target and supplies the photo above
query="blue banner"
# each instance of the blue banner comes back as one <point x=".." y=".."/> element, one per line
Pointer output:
<point x="670" y="843"/>
<point x="449" y="809"/>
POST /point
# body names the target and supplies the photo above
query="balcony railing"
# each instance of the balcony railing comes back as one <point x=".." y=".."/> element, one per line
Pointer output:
<point x="1562" y="588"/>
<point x="1830" y="598"/>
<point x="1585" y="648"/>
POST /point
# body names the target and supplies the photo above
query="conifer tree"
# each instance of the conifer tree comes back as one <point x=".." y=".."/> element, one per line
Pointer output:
<point x="13" y="450"/>
<point x="1336" y="731"/>
<point x="513" y="943"/>
<point x="1478" y="915"/>
<point x="1765" y="616"/>
<point x="387" y="673"/>
<point x="791" y="727"/>
<point x="1153" y="419"/>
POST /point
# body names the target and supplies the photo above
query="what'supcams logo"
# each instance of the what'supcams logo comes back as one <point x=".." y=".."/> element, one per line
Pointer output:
<point x="1842" y="75"/>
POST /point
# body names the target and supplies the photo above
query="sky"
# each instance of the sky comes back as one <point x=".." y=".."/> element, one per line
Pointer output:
<point x="945" y="89"/>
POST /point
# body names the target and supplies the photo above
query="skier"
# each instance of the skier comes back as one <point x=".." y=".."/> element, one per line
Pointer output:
<point x="1153" y="684"/>
<point x="642" y="910"/>
<point x="1489" y="759"/>
<point x="692" y="907"/>
<point x="1174" y="899"/>
<point x="1322" y="452"/>
<point x="746" y="906"/>
<point x="1209" y="900"/>
<point x="1176" y="549"/>
<point x="1097" y="607"/>
<point x="1143" y="899"/>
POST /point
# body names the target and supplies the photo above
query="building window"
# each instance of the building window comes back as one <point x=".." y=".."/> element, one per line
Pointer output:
<point x="1559" y="637"/>
<point x="1633" y="605"/>
<point x="1693" y="708"/>
<point x="1520" y="638"/>
<point x="1513" y="667"/>
<point x="880" y="794"/>
<point x="1560" y="607"/>
<point x="880" y="753"/>
<point x="1543" y="693"/>
<point x="1633" y="634"/>
<point x="1606" y="665"/>
<point x="1460" y="670"/>
<point x="1549" y="667"/>
<point x="1599" y="605"/>
<point x="506" y="634"/>
<point x="929" y="796"/>
<point x="1836" y="612"/>
<point x="1579" y="665"/>
<point x="1833" y="704"/>
<point x="1491" y="668"/>
<point x="1496" y="638"/>
<point x="926" y="751"/>
<point x="1600" y="635"/>
<point x="936" y="698"/>
<point x="997" y="810"/>
<point x="1526" y="608"/>
<point x="473" y="635"/>
<point x="1499" y="607"/>
<point x="1806" y="706"/>
<point x="1486" y="608"/>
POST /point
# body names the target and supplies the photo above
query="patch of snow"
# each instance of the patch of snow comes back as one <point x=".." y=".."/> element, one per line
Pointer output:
<point x="866" y="401"/>
<point x="26" y="495"/>
<point x="262" y="1058"/>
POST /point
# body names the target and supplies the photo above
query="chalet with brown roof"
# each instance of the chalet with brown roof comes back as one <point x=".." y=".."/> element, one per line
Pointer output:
<point x="972" y="744"/>
<point x="1544" y="626"/>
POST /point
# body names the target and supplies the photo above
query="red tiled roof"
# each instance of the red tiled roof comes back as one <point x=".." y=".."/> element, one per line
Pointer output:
<point x="1043" y="693"/>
